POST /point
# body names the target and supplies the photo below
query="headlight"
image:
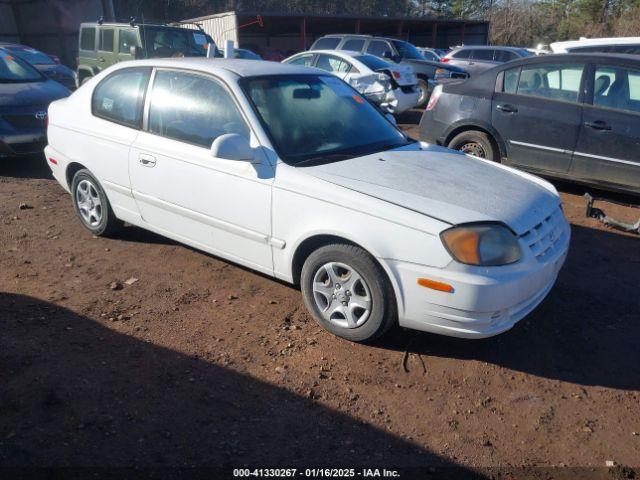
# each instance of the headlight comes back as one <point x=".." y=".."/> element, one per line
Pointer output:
<point x="482" y="244"/>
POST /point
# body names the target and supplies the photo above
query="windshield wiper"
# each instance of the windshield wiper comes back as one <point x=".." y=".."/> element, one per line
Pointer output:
<point x="322" y="159"/>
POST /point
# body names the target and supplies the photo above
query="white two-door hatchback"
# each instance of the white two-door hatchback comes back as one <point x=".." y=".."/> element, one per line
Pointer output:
<point x="289" y="171"/>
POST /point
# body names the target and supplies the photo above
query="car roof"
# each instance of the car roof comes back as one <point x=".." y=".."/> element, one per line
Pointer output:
<point x="128" y="25"/>
<point x="584" y="42"/>
<point x="241" y="67"/>
<point x="357" y="35"/>
<point x="488" y="47"/>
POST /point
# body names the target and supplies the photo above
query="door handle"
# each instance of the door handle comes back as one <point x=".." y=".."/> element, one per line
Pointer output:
<point x="147" y="160"/>
<point x="598" y="125"/>
<point x="507" y="108"/>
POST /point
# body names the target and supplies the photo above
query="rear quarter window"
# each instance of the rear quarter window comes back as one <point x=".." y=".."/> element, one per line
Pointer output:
<point x="119" y="98"/>
<point x="354" y="45"/>
<point x="88" y="38"/>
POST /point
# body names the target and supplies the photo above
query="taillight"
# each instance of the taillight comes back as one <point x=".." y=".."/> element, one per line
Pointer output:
<point x="395" y="74"/>
<point x="439" y="70"/>
<point x="444" y="59"/>
<point x="435" y="96"/>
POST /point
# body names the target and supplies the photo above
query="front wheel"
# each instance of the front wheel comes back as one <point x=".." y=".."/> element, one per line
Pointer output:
<point x="348" y="293"/>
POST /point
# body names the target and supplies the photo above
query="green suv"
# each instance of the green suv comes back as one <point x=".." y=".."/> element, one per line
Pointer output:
<point x="104" y="44"/>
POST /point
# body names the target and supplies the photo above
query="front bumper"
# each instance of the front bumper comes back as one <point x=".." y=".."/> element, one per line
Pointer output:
<point x="486" y="301"/>
<point x="26" y="142"/>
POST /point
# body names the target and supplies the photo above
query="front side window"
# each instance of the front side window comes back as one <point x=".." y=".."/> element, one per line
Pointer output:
<point x="504" y="56"/>
<point x="192" y="109"/>
<point x="354" y="45"/>
<point x="106" y="39"/>
<point x="328" y="43"/>
<point x="163" y="42"/>
<point x="88" y="39"/>
<point x="313" y="118"/>
<point x="120" y="96"/>
<point x="332" y="64"/>
<point x="126" y="40"/>
<point x="617" y="88"/>
<point x="303" y="60"/>
<point x="407" y="50"/>
<point x="555" y="82"/>
<point x="379" y="48"/>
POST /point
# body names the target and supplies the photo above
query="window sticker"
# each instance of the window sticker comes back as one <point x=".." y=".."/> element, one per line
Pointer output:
<point x="107" y="104"/>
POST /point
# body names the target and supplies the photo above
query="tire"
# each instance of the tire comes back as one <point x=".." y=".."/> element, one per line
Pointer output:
<point x="360" y="287"/>
<point x="475" y="143"/>
<point x="423" y="85"/>
<point x="92" y="205"/>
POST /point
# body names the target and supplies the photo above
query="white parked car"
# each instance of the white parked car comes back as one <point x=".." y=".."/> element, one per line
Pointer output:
<point x="630" y="45"/>
<point x="394" y="88"/>
<point x="287" y="170"/>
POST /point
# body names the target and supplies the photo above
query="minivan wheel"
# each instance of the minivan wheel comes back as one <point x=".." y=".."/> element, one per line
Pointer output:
<point x="348" y="293"/>
<point x="474" y="143"/>
<point x="423" y="87"/>
<point x="92" y="206"/>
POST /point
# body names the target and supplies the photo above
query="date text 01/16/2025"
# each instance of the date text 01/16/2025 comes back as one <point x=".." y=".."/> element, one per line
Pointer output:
<point x="315" y="473"/>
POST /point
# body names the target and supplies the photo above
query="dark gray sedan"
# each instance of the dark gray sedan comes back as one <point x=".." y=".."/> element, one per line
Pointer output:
<point x="574" y="116"/>
<point x="25" y="95"/>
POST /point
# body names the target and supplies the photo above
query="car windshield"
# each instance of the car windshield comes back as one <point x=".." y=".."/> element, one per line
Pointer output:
<point x="14" y="70"/>
<point x="407" y="50"/>
<point x="317" y="118"/>
<point x="34" y="57"/>
<point x="373" y="62"/>
<point x="160" y="42"/>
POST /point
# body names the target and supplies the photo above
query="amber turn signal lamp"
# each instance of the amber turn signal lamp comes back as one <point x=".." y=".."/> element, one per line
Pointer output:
<point x="432" y="284"/>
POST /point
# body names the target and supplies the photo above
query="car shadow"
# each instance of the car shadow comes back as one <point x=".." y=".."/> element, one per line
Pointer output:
<point x="31" y="166"/>
<point x="585" y="332"/>
<point x="75" y="393"/>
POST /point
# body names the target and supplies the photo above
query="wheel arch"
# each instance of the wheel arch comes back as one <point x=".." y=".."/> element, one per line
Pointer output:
<point x="311" y="243"/>
<point x="494" y="136"/>
<point x="71" y="171"/>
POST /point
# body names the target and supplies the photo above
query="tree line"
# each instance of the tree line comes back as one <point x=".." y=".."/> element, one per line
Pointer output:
<point x="513" y="22"/>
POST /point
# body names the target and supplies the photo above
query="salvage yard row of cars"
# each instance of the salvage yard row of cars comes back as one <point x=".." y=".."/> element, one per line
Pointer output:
<point x="224" y="155"/>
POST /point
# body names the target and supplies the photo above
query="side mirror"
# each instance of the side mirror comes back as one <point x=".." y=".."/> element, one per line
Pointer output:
<point x="133" y="51"/>
<point x="391" y="118"/>
<point x="232" y="146"/>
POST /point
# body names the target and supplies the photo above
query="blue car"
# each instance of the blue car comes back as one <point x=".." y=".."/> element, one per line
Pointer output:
<point x="43" y="63"/>
<point x="25" y="95"/>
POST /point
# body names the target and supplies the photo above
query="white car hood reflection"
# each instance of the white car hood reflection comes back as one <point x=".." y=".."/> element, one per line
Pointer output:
<point x="446" y="185"/>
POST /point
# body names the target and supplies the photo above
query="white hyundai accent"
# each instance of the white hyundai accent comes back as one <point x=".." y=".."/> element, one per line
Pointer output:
<point x="289" y="171"/>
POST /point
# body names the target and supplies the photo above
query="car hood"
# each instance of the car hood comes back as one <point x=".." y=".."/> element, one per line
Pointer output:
<point x="56" y="69"/>
<point x="31" y="93"/>
<point x="446" y="185"/>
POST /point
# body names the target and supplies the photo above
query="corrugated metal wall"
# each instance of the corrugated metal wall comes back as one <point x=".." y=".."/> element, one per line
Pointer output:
<point x="221" y="27"/>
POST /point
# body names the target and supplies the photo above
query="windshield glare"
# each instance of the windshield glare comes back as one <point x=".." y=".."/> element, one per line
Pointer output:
<point x="407" y="50"/>
<point x="34" y="57"/>
<point x="316" y="116"/>
<point x="373" y="62"/>
<point x="13" y="69"/>
<point x="174" y="42"/>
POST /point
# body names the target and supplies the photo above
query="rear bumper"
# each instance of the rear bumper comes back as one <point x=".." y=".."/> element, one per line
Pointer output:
<point x="398" y="101"/>
<point x="58" y="164"/>
<point x="485" y="301"/>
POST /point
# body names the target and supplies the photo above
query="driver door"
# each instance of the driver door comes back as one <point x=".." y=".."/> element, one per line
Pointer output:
<point x="218" y="205"/>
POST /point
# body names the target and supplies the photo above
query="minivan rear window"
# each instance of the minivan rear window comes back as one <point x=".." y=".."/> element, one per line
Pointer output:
<point x="326" y="43"/>
<point x="88" y="39"/>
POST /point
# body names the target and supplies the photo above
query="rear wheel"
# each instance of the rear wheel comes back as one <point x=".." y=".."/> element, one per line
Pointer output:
<point x="348" y="293"/>
<point x="92" y="206"/>
<point x="475" y="143"/>
<point x="423" y="88"/>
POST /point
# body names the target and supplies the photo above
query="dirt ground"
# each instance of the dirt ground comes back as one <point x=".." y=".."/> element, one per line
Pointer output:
<point x="200" y="363"/>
